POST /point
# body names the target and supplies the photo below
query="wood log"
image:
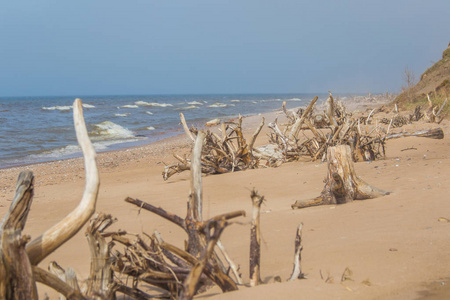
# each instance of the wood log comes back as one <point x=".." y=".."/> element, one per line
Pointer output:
<point x="195" y="203"/>
<point x="57" y="235"/>
<point x="342" y="185"/>
<point x="255" y="239"/>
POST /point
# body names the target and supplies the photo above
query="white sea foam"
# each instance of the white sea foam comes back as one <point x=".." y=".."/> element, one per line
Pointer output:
<point x="255" y="102"/>
<point x="155" y="104"/>
<point x="57" y="107"/>
<point x="149" y="113"/>
<point x="129" y="106"/>
<point x="122" y="115"/>
<point x="294" y="99"/>
<point x="235" y="100"/>
<point x="150" y="128"/>
<point x="110" y="130"/>
<point x="195" y="103"/>
<point x="85" y="105"/>
<point x="219" y="105"/>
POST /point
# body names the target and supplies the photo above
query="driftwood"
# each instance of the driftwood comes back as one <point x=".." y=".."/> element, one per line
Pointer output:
<point x="342" y="185"/>
<point x="181" y="272"/>
<point x="18" y="271"/>
<point x="335" y="126"/>
<point x="221" y="154"/>
<point x="54" y="237"/>
<point x="297" y="270"/>
<point x="16" y="275"/>
<point x="255" y="239"/>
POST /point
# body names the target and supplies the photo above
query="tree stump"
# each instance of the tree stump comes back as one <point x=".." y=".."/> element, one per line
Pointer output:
<point x="342" y="185"/>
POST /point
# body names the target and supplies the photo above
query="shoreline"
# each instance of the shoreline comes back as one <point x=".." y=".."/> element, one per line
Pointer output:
<point x="394" y="245"/>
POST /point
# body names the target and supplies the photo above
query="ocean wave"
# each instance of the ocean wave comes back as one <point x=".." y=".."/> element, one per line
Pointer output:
<point x="219" y="105"/>
<point x="154" y="104"/>
<point x="187" y="107"/>
<point x="110" y="130"/>
<point x="149" y="113"/>
<point x="65" y="107"/>
<point x="129" y="106"/>
<point x="58" y="107"/>
<point x="294" y="99"/>
<point x="271" y="100"/>
<point x="236" y="100"/>
<point x="122" y="115"/>
<point x="150" y="128"/>
<point x="195" y="103"/>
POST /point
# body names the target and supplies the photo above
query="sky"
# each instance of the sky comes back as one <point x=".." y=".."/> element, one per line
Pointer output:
<point x="144" y="47"/>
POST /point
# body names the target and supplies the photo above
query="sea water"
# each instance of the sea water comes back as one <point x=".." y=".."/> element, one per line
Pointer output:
<point x="39" y="129"/>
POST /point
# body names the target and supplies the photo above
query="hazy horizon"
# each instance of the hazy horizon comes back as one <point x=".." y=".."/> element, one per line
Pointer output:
<point x="96" y="48"/>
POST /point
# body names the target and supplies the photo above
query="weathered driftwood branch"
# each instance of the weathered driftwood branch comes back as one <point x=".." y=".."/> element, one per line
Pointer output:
<point x="255" y="135"/>
<point x="101" y="281"/>
<point x="186" y="128"/>
<point x="57" y="235"/>
<point x="298" y="123"/>
<point x="435" y="133"/>
<point x="68" y="276"/>
<point x="60" y="286"/>
<point x="297" y="271"/>
<point x="195" y="198"/>
<point x="16" y="276"/>
<point x="255" y="239"/>
<point x="234" y="268"/>
<point x="342" y="184"/>
<point x="190" y="285"/>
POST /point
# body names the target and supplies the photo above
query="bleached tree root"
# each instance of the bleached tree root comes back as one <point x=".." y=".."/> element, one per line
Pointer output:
<point x="342" y="184"/>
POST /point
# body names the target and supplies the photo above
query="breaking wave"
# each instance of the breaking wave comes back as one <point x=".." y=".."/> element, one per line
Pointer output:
<point x="220" y="105"/>
<point x="109" y="130"/>
<point x="65" y="107"/>
<point x="154" y="104"/>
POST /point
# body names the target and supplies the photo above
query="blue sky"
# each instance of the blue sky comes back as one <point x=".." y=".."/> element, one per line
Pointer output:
<point x="137" y="47"/>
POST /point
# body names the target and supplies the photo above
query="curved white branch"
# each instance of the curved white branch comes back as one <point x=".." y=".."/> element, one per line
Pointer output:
<point x="57" y="235"/>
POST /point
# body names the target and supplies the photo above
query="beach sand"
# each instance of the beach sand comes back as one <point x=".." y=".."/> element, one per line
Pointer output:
<point x="396" y="246"/>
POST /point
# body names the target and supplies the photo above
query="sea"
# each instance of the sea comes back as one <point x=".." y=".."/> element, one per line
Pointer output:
<point x="40" y="129"/>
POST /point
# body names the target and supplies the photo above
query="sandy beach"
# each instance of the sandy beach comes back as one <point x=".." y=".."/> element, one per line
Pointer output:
<point x="396" y="246"/>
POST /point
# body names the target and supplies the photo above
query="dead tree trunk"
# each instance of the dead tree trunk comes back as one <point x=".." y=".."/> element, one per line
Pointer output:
<point x="16" y="275"/>
<point x="255" y="240"/>
<point x="101" y="283"/>
<point x="342" y="184"/>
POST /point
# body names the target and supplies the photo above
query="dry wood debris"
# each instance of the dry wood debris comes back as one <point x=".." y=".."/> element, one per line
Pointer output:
<point x="221" y="154"/>
<point x="306" y="134"/>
